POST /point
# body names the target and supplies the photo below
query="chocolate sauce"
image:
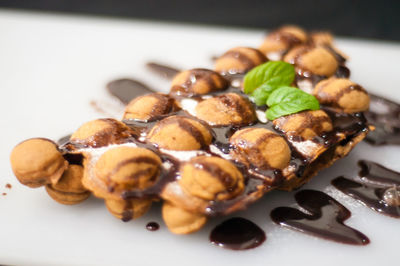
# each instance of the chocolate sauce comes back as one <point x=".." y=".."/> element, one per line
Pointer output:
<point x="339" y="58"/>
<point x="349" y="124"/>
<point x="378" y="188"/>
<point x="385" y="116"/>
<point x="221" y="138"/>
<point x="127" y="213"/>
<point x="127" y="89"/>
<point x="342" y="72"/>
<point x="237" y="234"/>
<point x="378" y="175"/>
<point x="163" y="70"/>
<point x="252" y="193"/>
<point x="74" y="158"/>
<point x="4" y="194"/>
<point x="165" y="177"/>
<point x="372" y="197"/>
<point x="325" y="218"/>
<point x="8" y="186"/>
<point x="152" y="226"/>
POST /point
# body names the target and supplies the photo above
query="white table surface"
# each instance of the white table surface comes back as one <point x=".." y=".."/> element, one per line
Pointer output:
<point x="52" y="66"/>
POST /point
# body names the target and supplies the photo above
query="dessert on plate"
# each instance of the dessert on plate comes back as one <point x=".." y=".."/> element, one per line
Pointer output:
<point x="262" y="119"/>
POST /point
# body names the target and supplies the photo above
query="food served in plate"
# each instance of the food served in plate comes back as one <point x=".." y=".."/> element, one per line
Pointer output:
<point x="220" y="139"/>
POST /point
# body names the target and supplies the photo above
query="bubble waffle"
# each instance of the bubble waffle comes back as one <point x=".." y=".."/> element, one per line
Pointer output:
<point x="206" y="149"/>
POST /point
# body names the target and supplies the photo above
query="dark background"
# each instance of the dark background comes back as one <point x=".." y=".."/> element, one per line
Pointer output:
<point x="378" y="19"/>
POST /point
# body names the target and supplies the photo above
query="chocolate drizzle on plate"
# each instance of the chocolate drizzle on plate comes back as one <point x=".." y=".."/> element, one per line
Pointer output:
<point x="237" y="234"/>
<point x="378" y="188"/>
<point x="378" y="175"/>
<point x="127" y="89"/>
<point x="385" y="116"/>
<point x="324" y="218"/>
<point x="152" y="226"/>
<point x="165" y="71"/>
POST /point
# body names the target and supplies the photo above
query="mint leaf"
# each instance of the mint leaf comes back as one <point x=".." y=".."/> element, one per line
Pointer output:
<point x="269" y="84"/>
<point x="274" y="73"/>
<point x="261" y="94"/>
<point x="289" y="100"/>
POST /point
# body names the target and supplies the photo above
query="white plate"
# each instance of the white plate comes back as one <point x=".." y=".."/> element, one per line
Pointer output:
<point x="51" y="67"/>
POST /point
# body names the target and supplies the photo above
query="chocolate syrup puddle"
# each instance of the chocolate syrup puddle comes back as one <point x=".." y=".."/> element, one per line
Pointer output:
<point x="325" y="218"/>
<point x="152" y="226"/>
<point x="385" y="116"/>
<point x="237" y="234"/>
<point x="378" y="175"/>
<point x="127" y="89"/>
<point x="165" y="71"/>
<point x="370" y="196"/>
<point x="378" y="189"/>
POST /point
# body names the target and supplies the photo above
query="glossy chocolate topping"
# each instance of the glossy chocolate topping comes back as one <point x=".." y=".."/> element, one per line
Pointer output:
<point x="237" y="234"/>
<point x="324" y="219"/>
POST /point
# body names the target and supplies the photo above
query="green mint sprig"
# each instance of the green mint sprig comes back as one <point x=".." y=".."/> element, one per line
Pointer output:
<point x="288" y="100"/>
<point x="269" y="84"/>
<point x="265" y="78"/>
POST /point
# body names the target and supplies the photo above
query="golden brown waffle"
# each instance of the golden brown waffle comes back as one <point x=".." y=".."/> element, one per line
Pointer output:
<point x="206" y="149"/>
